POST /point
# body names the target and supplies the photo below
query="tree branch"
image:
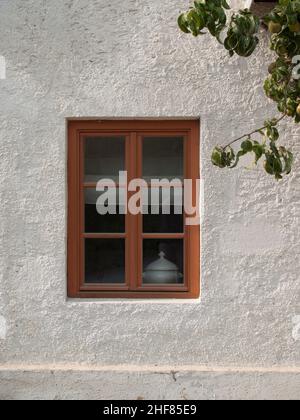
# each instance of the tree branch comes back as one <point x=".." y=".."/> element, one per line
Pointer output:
<point x="253" y="132"/>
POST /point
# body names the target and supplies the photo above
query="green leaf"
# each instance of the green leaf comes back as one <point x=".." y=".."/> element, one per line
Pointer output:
<point x="211" y="26"/>
<point x="292" y="19"/>
<point x="247" y="146"/>
<point x="217" y="157"/>
<point x="277" y="165"/>
<point x="272" y="133"/>
<point x="182" y="23"/>
<point x="288" y="159"/>
<point x="221" y="16"/>
<point x="268" y="167"/>
<point x="238" y="156"/>
<point x="274" y="150"/>
<point x="225" y="5"/>
<point x="253" y="45"/>
<point x="231" y="42"/>
<point x="283" y="2"/>
<point x="258" y="150"/>
<point x="230" y="156"/>
<point x="197" y="19"/>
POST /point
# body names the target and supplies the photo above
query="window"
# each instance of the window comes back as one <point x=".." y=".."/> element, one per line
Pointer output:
<point x="129" y="232"/>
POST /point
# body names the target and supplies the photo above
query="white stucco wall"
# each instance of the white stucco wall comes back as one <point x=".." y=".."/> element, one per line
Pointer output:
<point x="100" y="58"/>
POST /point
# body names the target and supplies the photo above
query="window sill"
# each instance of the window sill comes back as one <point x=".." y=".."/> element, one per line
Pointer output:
<point x="138" y="301"/>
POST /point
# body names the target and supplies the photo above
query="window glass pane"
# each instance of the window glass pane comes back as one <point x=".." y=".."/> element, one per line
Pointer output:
<point x="163" y="157"/>
<point x="103" y="223"/>
<point x="105" y="260"/>
<point x="163" y="261"/>
<point x="104" y="157"/>
<point x="165" y="211"/>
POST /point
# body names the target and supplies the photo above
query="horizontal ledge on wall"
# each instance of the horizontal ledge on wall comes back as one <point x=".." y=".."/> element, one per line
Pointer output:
<point x="147" y="368"/>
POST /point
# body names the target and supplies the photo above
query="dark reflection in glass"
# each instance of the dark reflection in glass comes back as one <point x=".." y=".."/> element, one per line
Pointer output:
<point x="163" y="157"/>
<point x="104" y="157"/>
<point x="163" y="261"/>
<point x="105" y="260"/>
<point x="165" y="213"/>
<point x="163" y="223"/>
<point x="107" y="223"/>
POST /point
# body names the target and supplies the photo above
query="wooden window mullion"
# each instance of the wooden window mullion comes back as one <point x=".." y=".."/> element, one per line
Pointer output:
<point x="131" y="221"/>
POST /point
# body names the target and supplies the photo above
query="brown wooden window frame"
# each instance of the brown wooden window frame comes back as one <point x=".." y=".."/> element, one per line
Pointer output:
<point x="133" y="130"/>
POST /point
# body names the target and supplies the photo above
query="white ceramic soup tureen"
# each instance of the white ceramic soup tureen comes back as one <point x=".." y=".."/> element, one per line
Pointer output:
<point x="162" y="271"/>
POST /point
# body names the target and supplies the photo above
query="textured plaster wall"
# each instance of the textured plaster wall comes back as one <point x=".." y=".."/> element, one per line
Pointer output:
<point x="100" y="58"/>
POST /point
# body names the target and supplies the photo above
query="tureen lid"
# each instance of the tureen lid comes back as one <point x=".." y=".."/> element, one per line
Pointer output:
<point x="162" y="264"/>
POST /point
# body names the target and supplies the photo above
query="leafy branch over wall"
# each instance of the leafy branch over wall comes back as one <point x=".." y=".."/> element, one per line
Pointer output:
<point x="238" y="33"/>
